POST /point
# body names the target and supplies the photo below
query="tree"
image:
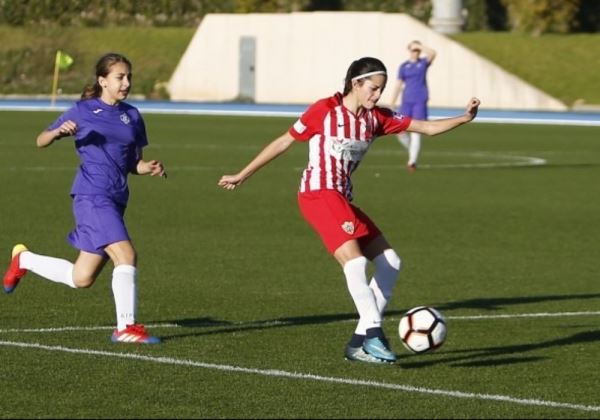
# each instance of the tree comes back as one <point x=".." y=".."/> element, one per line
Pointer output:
<point x="541" y="16"/>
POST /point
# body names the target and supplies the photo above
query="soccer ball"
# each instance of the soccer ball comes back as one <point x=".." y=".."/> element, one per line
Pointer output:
<point x="422" y="329"/>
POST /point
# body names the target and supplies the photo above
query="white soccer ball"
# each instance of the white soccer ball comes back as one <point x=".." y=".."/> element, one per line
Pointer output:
<point x="422" y="329"/>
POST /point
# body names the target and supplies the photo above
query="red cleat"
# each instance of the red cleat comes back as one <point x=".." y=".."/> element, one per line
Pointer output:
<point x="15" y="273"/>
<point x="134" y="333"/>
<point x="411" y="167"/>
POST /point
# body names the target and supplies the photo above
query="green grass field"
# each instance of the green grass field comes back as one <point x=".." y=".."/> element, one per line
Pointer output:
<point x="498" y="229"/>
<point x="539" y="61"/>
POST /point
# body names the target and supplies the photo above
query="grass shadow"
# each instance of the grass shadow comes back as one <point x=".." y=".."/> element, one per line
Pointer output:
<point x="495" y="356"/>
<point x="494" y="304"/>
<point x="213" y="326"/>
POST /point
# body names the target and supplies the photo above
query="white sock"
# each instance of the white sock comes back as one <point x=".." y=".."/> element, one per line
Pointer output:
<point x="50" y="268"/>
<point x="355" y="271"/>
<point x="404" y="139"/>
<point x="415" y="147"/>
<point x="387" y="268"/>
<point x="124" y="291"/>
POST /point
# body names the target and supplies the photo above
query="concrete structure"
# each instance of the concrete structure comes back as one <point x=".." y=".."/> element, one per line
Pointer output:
<point x="446" y="16"/>
<point x="300" y="57"/>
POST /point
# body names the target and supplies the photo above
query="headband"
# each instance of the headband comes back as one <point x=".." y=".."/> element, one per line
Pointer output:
<point x="372" y="73"/>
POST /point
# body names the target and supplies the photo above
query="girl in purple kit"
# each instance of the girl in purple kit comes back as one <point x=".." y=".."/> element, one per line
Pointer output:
<point x="412" y="82"/>
<point x="109" y="138"/>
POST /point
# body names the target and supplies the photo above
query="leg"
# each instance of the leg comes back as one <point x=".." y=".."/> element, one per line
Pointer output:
<point x="368" y="342"/>
<point x="341" y="226"/>
<point x="124" y="288"/>
<point x="123" y="256"/>
<point x="415" y="148"/>
<point x="81" y="274"/>
<point x="387" y="268"/>
<point x="86" y="269"/>
<point x="419" y="112"/>
<point x="354" y="265"/>
<point x="404" y="139"/>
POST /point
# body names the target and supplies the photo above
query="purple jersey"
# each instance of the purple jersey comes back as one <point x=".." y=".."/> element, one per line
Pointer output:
<point x="414" y="76"/>
<point x="107" y="140"/>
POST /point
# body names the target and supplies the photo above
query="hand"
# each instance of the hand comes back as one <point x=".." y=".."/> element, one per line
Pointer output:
<point x="68" y="128"/>
<point x="152" y="167"/>
<point x="229" y="182"/>
<point x="472" y="108"/>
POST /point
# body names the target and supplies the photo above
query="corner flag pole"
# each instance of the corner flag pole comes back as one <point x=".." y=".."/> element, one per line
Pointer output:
<point x="55" y="79"/>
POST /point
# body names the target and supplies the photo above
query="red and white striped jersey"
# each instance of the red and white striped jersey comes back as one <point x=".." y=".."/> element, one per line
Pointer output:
<point x="338" y="140"/>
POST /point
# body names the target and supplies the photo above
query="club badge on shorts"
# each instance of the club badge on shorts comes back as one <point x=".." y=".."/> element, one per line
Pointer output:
<point x="348" y="227"/>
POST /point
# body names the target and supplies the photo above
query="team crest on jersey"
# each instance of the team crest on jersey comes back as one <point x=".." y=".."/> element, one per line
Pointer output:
<point x="348" y="227"/>
<point x="125" y="118"/>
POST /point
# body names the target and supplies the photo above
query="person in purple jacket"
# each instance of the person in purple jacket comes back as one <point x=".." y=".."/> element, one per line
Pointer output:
<point x="412" y="82"/>
<point x="109" y="138"/>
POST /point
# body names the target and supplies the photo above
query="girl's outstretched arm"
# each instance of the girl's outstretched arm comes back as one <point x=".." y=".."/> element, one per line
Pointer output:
<point x="277" y="147"/>
<point x="431" y="128"/>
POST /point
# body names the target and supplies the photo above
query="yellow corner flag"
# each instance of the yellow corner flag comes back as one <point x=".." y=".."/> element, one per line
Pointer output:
<point x="62" y="62"/>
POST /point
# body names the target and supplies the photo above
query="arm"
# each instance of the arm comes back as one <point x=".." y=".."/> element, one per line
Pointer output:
<point x="152" y="167"/>
<point x="398" y="87"/>
<point x="430" y="53"/>
<point x="432" y="128"/>
<point x="47" y="137"/>
<point x="270" y="152"/>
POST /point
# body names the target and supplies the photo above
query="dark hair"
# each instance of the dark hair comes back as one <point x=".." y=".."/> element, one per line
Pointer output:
<point x="362" y="66"/>
<point x="102" y="69"/>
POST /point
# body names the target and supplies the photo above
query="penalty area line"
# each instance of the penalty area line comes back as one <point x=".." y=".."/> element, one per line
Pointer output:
<point x="307" y="377"/>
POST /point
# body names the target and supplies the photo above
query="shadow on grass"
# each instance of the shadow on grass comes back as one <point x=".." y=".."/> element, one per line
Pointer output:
<point x="225" y="327"/>
<point x="494" y="304"/>
<point x="482" y="357"/>
<point x="495" y="356"/>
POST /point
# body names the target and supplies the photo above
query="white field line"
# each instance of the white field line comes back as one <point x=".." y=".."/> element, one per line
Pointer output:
<point x="493" y="161"/>
<point x="532" y="315"/>
<point x="294" y="114"/>
<point x="308" y="377"/>
<point x="284" y="322"/>
<point x="78" y="328"/>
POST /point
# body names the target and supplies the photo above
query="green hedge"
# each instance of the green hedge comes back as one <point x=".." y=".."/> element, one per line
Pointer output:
<point x="176" y="12"/>
<point x="27" y="56"/>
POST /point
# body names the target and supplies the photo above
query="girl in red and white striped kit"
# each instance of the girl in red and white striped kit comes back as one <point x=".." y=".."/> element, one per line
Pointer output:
<point x="339" y="131"/>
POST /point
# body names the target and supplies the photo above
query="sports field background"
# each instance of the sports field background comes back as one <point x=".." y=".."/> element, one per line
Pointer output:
<point x="498" y="229"/>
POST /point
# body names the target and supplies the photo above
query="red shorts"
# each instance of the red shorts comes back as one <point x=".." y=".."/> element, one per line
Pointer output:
<point x="335" y="219"/>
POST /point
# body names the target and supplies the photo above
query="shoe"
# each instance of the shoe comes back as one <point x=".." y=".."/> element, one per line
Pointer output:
<point x="14" y="274"/>
<point x="377" y="348"/>
<point x="411" y="167"/>
<point x="357" y="354"/>
<point x="134" y="333"/>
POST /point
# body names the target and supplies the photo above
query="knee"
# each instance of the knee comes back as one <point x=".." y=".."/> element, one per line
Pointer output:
<point x="125" y="257"/>
<point x="130" y="257"/>
<point x="83" y="282"/>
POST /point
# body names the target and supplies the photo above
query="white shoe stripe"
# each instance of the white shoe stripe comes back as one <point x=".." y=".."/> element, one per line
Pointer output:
<point x="129" y="338"/>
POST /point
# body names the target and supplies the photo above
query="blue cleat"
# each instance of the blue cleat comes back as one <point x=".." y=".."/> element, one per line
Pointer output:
<point x="357" y="354"/>
<point x="375" y="347"/>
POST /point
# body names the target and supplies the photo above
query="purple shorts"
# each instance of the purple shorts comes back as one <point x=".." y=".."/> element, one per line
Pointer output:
<point x="98" y="223"/>
<point x="416" y="110"/>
